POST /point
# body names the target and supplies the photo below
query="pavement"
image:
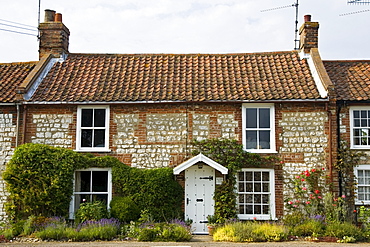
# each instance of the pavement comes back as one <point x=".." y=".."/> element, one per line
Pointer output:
<point x="197" y="241"/>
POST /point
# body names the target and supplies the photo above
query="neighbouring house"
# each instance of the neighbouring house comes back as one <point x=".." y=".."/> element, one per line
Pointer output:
<point x="145" y="109"/>
<point x="352" y="84"/>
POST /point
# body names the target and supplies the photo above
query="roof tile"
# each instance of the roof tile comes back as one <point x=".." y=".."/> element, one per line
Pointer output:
<point x="181" y="77"/>
<point x="351" y="79"/>
<point x="11" y="76"/>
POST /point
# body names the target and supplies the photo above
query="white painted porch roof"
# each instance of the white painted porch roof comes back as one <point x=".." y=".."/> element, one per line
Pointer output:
<point x="200" y="158"/>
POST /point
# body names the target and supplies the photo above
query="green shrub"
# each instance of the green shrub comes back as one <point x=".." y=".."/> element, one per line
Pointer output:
<point x="345" y="229"/>
<point x="39" y="179"/>
<point x="148" y="234"/>
<point x="152" y="189"/>
<point x="164" y="232"/>
<point x="91" y="211"/>
<point x="272" y="232"/>
<point x="124" y="209"/>
<point x="308" y="228"/>
<point x="294" y="219"/>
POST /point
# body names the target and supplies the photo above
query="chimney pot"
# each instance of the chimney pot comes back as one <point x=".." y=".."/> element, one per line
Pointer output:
<point x="49" y="15"/>
<point x="58" y="17"/>
<point x="307" y="18"/>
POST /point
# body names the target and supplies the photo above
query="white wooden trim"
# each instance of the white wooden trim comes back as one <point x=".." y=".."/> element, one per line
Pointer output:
<point x="200" y="158"/>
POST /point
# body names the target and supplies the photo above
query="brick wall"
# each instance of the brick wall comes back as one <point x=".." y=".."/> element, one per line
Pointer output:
<point x="159" y="135"/>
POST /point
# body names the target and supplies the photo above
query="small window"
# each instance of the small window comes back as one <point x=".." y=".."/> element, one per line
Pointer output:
<point x="360" y="127"/>
<point x="258" y="128"/>
<point x="256" y="194"/>
<point x="91" y="185"/>
<point x="362" y="174"/>
<point x="93" y="128"/>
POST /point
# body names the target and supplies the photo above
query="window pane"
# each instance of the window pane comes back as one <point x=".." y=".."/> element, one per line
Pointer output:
<point x="87" y="118"/>
<point x="99" y="138"/>
<point x="249" y="209"/>
<point x="257" y="209"/>
<point x="257" y="176"/>
<point x="265" y="199"/>
<point x="249" y="176"/>
<point x="99" y="118"/>
<point x="363" y="123"/>
<point x="265" y="209"/>
<point x="266" y="187"/>
<point x="251" y="139"/>
<point x="257" y="199"/>
<point x="86" y="138"/>
<point x="241" y="198"/>
<point x="100" y="197"/>
<point x="249" y="198"/>
<point x="265" y="176"/>
<point x="356" y="122"/>
<point x="356" y="114"/>
<point x="241" y="209"/>
<point x="264" y="118"/>
<point x="249" y="187"/>
<point x="251" y="117"/>
<point x="241" y="187"/>
<point x="363" y="114"/>
<point x="265" y="139"/>
<point x="257" y="187"/>
<point x="100" y="181"/>
<point x="85" y="181"/>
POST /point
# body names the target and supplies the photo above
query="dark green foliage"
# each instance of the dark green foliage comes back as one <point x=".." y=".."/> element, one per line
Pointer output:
<point x="152" y="189"/>
<point x="91" y="211"/>
<point x="124" y="209"/>
<point x="39" y="179"/>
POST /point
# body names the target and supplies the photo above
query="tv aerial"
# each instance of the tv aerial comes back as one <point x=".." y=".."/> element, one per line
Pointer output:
<point x="295" y="5"/>
<point x="357" y="2"/>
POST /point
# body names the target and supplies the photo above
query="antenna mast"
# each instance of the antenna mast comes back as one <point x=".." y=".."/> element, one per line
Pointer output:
<point x="296" y="40"/>
<point x="357" y="2"/>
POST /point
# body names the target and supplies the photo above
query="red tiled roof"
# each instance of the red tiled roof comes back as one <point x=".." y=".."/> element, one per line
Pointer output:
<point x="178" y="77"/>
<point x="351" y="79"/>
<point x="11" y="76"/>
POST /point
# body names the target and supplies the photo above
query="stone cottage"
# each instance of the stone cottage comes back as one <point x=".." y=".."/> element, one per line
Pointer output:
<point x="145" y="109"/>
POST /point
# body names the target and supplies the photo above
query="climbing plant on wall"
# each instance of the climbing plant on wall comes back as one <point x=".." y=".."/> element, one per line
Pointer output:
<point x="230" y="154"/>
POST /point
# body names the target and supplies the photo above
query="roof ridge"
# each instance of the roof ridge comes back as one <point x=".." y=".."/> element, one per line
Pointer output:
<point x="182" y="54"/>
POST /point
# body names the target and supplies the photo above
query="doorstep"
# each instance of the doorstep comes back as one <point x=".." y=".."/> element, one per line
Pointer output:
<point x="201" y="238"/>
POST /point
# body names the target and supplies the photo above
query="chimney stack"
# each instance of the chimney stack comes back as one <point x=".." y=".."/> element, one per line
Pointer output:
<point x="309" y="35"/>
<point x="53" y="34"/>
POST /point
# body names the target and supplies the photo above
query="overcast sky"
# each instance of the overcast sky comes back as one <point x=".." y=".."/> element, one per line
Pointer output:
<point x="187" y="26"/>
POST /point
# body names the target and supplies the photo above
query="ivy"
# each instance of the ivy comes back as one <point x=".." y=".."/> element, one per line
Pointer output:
<point x="39" y="179"/>
<point x="347" y="160"/>
<point x="232" y="155"/>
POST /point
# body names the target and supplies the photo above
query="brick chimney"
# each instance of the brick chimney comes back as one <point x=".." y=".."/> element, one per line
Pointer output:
<point x="54" y="35"/>
<point x="309" y="34"/>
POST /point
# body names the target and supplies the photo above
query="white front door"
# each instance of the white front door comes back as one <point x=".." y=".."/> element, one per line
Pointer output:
<point x="199" y="190"/>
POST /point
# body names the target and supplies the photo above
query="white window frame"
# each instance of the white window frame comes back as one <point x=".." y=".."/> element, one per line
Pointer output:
<point x="270" y="106"/>
<point x="72" y="209"/>
<point x="351" y="124"/>
<point x="356" y="169"/>
<point x="79" y="130"/>
<point x="272" y="213"/>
